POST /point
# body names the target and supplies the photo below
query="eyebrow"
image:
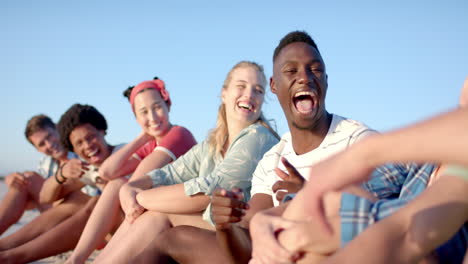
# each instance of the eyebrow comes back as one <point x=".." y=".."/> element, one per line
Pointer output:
<point x="155" y="103"/>
<point x="295" y="62"/>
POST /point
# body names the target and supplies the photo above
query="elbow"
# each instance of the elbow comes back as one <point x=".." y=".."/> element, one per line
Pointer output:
<point x="142" y="199"/>
<point x="105" y="173"/>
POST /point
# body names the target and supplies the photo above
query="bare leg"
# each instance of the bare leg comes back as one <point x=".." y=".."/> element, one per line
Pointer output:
<point x="185" y="244"/>
<point x="59" y="239"/>
<point x="46" y="221"/>
<point x="106" y="217"/>
<point x="124" y="246"/>
<point x="12" y="208"/>
<point x="16" y="201"/>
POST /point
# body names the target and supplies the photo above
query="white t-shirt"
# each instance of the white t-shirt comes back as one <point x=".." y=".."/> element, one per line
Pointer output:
<point x="342" y="133"/>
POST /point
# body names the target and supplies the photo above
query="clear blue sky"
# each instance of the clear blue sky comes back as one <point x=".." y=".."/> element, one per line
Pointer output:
<point x="389" y="63"/>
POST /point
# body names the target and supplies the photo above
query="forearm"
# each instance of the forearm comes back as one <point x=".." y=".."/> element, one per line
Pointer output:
<point x="112" y="167"/>
<point x="155" y="160"/>
<point x="235" y="243"/>
<point x="172" y="199"/>
<point x="144" y="183"/>
<point x="50" y="191"/>
<point x="421" y="142"/>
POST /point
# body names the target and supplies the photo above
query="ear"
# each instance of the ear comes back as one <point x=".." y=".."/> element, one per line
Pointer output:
<point x="223" y="95"/>
<point x="272" y="85"/>
<point x="102" y="132"/>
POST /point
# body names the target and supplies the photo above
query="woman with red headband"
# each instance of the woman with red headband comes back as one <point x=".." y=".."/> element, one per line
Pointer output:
<point x="158" y="144"/>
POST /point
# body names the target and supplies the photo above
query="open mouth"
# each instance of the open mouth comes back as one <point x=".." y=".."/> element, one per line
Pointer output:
<point x="93" y="153"/>
<point x="154" y="126"/>
<point x="304" y="102"/>
<point x="246" y="106"/>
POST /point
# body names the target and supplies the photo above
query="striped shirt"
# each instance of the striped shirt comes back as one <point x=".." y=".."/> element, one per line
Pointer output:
<point x="342" y="133"/>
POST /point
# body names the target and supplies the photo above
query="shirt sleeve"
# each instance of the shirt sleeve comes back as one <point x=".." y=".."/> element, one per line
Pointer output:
<point x="238" y="165"/>
<point x="361" y="134"/>
<point x="182" y="169"/>
<point x="145" y="150"/>
<point x="178" y="141"/>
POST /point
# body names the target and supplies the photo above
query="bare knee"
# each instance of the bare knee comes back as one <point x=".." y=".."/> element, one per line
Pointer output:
<point x="177" y="240"/>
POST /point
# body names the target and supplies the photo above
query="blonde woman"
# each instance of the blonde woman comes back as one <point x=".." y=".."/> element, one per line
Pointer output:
<point x="179" y="193"/>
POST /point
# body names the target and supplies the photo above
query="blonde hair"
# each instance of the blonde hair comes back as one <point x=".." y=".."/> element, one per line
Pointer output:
<point x="218" y="136"/>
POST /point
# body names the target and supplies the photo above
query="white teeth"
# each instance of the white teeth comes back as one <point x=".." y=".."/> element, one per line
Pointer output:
<point x="92" y="153"/>
<point x="245" y="106"/>
<point x="302" y="93"/>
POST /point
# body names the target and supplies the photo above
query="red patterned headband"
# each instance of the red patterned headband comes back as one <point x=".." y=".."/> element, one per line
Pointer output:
<point x="157" y="84"/>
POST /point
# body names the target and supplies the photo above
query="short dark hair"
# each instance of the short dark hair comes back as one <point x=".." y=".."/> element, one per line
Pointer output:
<point x="37" y="123"/>
<point x="75" y="116"/>
<point x="292" y="37"/>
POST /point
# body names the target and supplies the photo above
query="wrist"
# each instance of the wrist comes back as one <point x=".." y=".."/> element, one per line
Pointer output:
<point x="143" y="138"/>
<point x="58" y="174"/>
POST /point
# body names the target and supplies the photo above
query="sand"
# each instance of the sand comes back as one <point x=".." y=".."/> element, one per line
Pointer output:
<point x="26" y="218"/>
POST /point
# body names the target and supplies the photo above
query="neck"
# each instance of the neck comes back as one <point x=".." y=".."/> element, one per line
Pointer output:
<point x="305" y="140"/>
<point x="158" y="139"/>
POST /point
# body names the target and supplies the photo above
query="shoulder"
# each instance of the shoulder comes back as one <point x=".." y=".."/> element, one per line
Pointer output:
<point x="179" y="133"/>
<point x="258" y="131"/>
<point x="277" y="150"/>
<point x="343" y="123"/>
<point x="45" y="158"/>
<point x="179" y="130"/>
<point x="45" y="161"/>
<point x="350" y="127"/>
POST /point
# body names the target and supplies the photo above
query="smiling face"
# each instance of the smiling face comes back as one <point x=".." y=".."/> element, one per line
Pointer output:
<point x="89" y="144"/>
<point x="243" y="96"/>
<point x="152" y="113"/>
<point x="47" y="141"/>
<point x="300" y="83"/>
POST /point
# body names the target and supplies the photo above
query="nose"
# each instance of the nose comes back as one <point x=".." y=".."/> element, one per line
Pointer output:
<point x="249" y="92"/>
<point x="305" y="76"/>
<point x="86" y="144"/>
<point x="153" y="116"/>
<point x="48" y="144"/>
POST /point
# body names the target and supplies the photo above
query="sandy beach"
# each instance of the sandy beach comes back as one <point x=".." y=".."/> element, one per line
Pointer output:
<point x="26" y="218"/>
